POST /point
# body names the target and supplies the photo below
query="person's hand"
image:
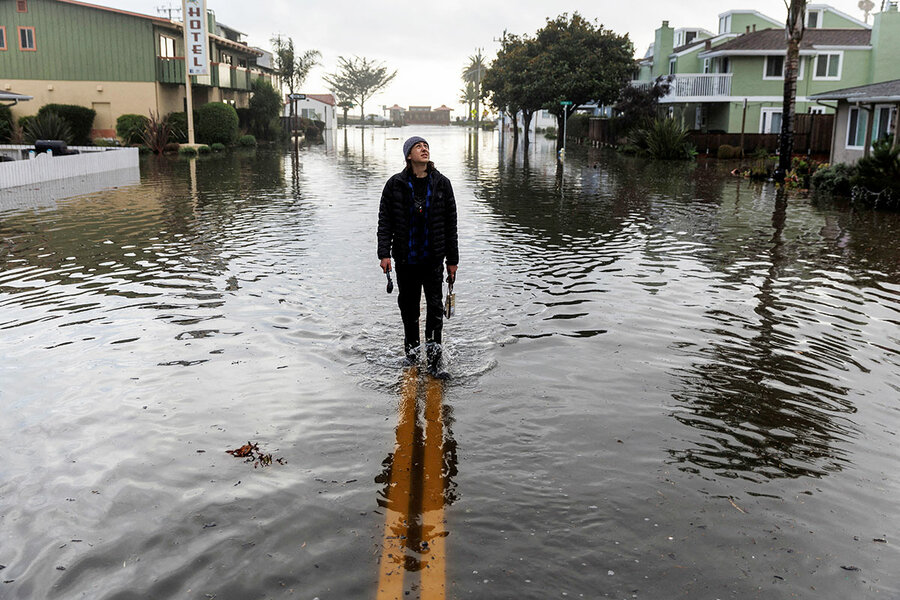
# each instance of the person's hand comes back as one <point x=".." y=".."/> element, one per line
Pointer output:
<point x="451" y="271"/>
<point x="385" y="264"/>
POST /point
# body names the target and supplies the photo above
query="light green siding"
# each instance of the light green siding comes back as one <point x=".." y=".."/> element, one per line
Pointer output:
<point x="885" y="64"/>
<point x="742" y="22"/>
<point x="68" y="40"/>
<point x="662" y="48"/>
<point x="831" y="20"/>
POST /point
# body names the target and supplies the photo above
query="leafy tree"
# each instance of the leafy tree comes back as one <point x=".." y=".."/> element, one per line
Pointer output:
<point x="265" y="106"/>
<point x="638" y="105"/>
<point x="358" y="79"/>
<point x="290" y="68"/>
<point x="514" y="81"/>
<point x="793" y="31"/>
<point x="580" y="62"/>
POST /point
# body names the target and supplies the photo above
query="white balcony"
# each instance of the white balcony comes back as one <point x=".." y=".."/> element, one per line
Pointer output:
<point x="695" y="87"/>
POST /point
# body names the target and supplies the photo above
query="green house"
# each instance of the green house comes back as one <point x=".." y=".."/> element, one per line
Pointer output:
<point x="734" y="80"/>
<point x="115" y="61"/>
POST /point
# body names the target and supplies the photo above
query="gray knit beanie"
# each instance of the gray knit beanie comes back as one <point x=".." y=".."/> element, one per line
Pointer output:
<point x="408" y="144"/>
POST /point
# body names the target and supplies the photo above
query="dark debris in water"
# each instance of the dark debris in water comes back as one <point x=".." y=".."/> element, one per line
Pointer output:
<point x="251" y="453"/>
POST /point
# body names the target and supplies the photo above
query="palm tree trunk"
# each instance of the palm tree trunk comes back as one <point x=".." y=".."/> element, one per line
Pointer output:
<point x="794" y="33"/>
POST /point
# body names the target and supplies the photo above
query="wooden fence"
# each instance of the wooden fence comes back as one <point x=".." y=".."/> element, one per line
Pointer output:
<point x="812" y="135"/>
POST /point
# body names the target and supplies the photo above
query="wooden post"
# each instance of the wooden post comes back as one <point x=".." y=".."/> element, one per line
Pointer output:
<point x="743" y="126"/>
<point x="870" y="122"/>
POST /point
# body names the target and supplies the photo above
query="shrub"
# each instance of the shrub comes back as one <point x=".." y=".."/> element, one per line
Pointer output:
<point x="265" y="107"/>
<point x="171" y="147"/>
<point x="105" y="142"/>
<point x="204" y="149"/>
<point x="247" y="141"/>
<point x="130" y="128"/>
<point x="47" y="126"/>
<point x="664" y="139"/>
<point x="216" y="122"/>
<point x="577" y="125"/>
<point x="833" y="179"/>
<point x="157" y="133"/>
<point x="79" y="118"/>
<point x="187" y="151"/>
<point x="6" y="123"/>
<point x="217" y="147"/>
<point x="178" y="126"/>
<point x="878" y="174"/>
<point x="312" y="133"/>
<point x="725" y="152"/>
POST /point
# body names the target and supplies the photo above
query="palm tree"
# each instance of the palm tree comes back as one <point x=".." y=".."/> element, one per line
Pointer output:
<point x="468" y="96"/>
<point x="793" y="32"/>
<point x="474" y="73"/>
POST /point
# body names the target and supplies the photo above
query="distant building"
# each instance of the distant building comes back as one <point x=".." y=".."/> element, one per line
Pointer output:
<point x="420" y="115"/>
<point x="318" y="107"/>
<point x="115" y="61"/>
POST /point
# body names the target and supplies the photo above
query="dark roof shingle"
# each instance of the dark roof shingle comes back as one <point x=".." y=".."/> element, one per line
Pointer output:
<point x="773" y="39"/>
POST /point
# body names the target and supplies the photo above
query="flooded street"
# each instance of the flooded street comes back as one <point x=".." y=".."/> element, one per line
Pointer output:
<point x="667" y="382"/>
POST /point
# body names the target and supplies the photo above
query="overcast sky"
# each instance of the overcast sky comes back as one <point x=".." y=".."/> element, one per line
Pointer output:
<point x="429" y="43"/>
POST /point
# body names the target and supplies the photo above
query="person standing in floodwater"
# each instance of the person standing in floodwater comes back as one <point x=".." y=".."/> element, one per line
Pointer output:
<point x="417" y="226"/>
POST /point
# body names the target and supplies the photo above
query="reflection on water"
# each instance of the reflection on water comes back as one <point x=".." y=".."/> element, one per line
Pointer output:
<point x="658" y="370"/>
<point x="418" y="480"/>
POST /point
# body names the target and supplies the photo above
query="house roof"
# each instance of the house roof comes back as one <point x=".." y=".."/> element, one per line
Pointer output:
<point x="442" y="107"/>
<point x="116" y="10"/>
<point x="7" y="96"/>
<point x="773" y="39"/>
<point x="886" y="91"/>
<point x="323" y="98"/>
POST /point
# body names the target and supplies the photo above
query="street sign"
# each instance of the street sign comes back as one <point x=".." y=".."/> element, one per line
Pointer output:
<point x="297" y="96"/>
<point x="566" y="103"/>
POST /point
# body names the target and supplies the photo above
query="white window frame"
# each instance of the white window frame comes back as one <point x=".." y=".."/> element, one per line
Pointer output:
<point x="766" y="76"/>
<point x="817" y="110"/>
<point x="768" y="110"/>
<point x="840" y="68"/>
<point x="725" y="24"/>
<point x="859" y="111"/>
<point x="165" y="43"/>
<point x="706" y="65"/>
<point x="672" y="62"/>
<point x="819" y="16"/>
<point x="877" y="124"/>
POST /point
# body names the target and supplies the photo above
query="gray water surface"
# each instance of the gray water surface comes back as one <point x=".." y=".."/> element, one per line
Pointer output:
<point x="667" y="383"/>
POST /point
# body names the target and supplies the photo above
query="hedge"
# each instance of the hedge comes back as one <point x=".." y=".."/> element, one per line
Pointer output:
<point x="79" y="118"/>
<point x="217" y="122"/>
<point x="130" y="128"/>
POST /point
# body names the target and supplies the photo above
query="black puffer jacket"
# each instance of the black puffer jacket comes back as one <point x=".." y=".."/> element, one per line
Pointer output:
<point x="394" y="219"/>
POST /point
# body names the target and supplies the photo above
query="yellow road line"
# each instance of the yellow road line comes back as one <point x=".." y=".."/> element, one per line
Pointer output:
<point x="433" y="532"/>
<point x="396" y="526"/>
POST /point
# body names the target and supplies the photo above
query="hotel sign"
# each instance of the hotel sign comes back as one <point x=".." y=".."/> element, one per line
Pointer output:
<point x="196" y="44"/>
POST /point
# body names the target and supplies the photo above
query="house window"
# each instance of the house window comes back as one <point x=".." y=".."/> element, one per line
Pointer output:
<point x="774" y="67"/>
<point x="814" y="19"/>
<point x="706" y="65"/>
<point x="2" y="37"/>
<point x="883" y="125"/>
<point x="21" y="5"/>
<point x="166" y="47"/>
<point x="770" y="120"/>
<point x="725" y="24"/>
<point x="671" y="66"/>
<point x="26" y="39"/>
<point x="856" y="127"/>
<point x="690" y="36"/>
<point x="723" y="65"/>
<point x="828" y="66"/>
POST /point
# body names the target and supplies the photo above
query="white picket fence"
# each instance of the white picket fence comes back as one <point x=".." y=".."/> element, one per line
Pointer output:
<point x="44" y="167"/>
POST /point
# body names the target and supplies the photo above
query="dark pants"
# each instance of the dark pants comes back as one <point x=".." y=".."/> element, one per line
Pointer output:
<point x="411" y="280"/>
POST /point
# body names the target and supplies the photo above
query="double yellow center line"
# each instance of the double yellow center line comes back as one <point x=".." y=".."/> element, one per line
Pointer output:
<point x="414" y="532"/>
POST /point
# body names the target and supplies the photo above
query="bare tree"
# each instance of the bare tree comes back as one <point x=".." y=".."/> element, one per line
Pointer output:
<point x="358" y="79"/>
<point x="793" y="32"/>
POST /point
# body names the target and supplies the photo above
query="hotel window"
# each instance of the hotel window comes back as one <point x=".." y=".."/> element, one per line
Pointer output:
<point x="2" y="37"/>
<point x="828" y="66"/>
<point x="26" y="38"/>
<point x="166" y="47"/>
<point x="21" y="5"/>
<point x="774" y="67"/>
<point x="226" y="59"/>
